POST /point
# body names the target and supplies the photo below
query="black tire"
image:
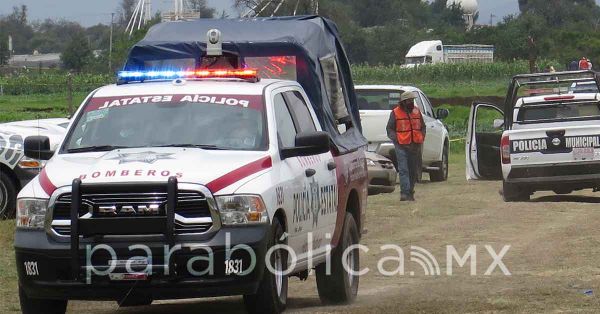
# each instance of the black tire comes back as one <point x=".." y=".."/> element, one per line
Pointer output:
<point x="8" y="196"/>
<point x="442" y="174"/>
<point x="340" y="286"/>
<point x="41" y="306"/>
<point x="271" y="297"/>
<point x="514" y="193"/>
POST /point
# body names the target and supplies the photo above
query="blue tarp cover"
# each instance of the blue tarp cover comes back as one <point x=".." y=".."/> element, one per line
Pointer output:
<point x="308" y="38"/>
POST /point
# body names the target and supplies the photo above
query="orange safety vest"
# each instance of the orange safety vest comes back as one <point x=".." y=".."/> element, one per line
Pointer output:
<point x="409" y="127"/>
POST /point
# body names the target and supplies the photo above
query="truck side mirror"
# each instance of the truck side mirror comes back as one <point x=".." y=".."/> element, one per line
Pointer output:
<point x="307" y="144"/>
<point x="37" y="147"/>
<point x="442" y="113"/>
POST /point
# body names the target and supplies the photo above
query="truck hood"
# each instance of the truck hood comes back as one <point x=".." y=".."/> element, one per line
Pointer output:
<point x="18" y="131"/>
<point x="218" y="170"/>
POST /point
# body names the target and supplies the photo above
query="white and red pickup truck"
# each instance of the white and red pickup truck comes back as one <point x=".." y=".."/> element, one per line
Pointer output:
<point x="547" y="138"/>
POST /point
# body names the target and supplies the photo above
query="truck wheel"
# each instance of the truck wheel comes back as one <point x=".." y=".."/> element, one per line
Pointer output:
<point x="41" y="306"/>
<point x="271" y="296"/>
<point x="8" y="196"/>
<point x="514" y="193"/>
<point x="340" y="286"/>
<point x="442" y="174"/>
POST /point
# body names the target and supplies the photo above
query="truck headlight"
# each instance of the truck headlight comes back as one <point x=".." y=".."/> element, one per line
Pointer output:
<point x="371" y="163"/>
<point x="31" y="213"/>
<point x="242" y="209"/>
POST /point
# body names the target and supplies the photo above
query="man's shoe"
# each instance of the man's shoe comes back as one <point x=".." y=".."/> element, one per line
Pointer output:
<point x="405" y="198"/>
<point x="411" y="198"/>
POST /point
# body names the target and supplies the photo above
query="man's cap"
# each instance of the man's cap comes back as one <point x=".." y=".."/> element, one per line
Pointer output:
<point x="408" y="96"/>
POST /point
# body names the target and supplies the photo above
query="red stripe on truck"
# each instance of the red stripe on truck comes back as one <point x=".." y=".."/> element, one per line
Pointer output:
<point x="46" y="184"/>
<point x="240" y="173"/>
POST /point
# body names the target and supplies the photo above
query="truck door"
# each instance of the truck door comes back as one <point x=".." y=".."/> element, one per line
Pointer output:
<point x="432" y="148"/>
<point x="483" y="142"/>
<point x="319" y="192"/>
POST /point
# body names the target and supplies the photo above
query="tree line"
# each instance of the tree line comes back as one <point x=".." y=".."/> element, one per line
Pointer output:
<point x="374" y="31"/>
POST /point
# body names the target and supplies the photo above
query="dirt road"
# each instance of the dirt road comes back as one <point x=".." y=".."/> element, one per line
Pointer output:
<point x="553" y="256"/>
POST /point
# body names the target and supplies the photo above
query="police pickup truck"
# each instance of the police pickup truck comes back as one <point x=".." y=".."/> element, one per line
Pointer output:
<point x="546" y="138"/>
<point x="16" y="170"/>
<point x="194" y="183"/>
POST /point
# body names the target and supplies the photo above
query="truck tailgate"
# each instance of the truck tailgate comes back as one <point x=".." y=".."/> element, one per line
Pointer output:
<point x="557" y="144"/>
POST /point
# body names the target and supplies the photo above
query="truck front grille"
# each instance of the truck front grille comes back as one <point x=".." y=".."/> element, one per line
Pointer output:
<point x="190" y="206"/>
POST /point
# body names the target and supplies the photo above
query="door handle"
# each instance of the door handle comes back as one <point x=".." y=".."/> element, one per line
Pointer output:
<point x="310" y="172"/>
<point x="331" y="165"/>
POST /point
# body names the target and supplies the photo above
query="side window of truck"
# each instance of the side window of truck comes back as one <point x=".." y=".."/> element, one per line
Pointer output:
<point x="300" y="112"/>
<point x="427" y="105"/>
<point x="286" y="131"/>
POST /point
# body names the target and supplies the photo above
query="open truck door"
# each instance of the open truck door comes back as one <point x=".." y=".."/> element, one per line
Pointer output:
<point x="486" y="124"/>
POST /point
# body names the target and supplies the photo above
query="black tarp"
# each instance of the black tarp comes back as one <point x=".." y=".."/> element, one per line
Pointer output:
<point x="309" y="38"/>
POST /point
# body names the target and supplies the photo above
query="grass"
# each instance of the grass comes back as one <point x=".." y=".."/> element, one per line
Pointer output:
<point x="26" y="107"/>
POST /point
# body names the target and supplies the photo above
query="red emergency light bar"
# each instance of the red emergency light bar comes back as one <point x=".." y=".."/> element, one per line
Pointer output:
<point x="140" y="76"/>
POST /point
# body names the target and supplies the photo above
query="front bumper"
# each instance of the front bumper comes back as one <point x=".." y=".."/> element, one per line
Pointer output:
<point x="381" y="180"/>
<point x="53" y="276"/>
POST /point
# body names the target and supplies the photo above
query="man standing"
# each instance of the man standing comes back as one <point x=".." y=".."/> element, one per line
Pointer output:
<point x="406" y="129"/>
<point x="584" y="64"/>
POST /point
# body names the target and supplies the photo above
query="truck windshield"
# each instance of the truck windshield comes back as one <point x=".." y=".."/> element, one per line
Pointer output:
<point x="556" y="112"/>
<point x="204" y="121"/>
<point x="415" y="60"/>
<point x="377" y="99"/>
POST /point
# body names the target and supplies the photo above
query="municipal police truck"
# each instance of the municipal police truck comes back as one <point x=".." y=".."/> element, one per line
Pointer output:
<point x="203" y="182"/>
<point x="546" y="138"/>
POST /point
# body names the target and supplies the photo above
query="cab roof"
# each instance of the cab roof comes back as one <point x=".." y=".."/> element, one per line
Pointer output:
<point x="191" y="86"/>
<point x="405" y="88"/>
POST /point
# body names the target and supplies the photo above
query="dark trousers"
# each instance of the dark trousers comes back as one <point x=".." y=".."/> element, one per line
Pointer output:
<point x="409" y="161"/>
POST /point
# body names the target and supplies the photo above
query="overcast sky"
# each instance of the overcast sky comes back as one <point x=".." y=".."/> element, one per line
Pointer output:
<point x="90" y="12"/>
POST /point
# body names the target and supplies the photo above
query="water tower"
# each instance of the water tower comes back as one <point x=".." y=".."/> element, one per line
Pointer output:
<point x="470" y="9"/>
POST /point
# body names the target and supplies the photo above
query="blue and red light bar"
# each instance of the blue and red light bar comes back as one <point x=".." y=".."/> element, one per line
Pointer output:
<point x="140" y="76"/>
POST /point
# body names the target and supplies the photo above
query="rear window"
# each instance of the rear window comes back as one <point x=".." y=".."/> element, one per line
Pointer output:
<point x="582" y="88"/>
<point x="377" y="99"/>
<point x="554" y="112"/>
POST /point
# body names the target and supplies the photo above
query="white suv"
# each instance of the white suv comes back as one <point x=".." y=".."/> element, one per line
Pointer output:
<point x="376" y="103"/>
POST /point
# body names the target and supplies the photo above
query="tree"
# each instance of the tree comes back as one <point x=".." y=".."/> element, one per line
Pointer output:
<point x="77" y="53"/>
<point x="4" y="53"/>
<point x="125" y="11"/>
<point x="202" y="7"/>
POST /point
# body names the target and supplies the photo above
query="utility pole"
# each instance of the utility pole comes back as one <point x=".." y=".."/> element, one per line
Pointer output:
<point x="110" y="48"/>
<point x="492" y="16"/>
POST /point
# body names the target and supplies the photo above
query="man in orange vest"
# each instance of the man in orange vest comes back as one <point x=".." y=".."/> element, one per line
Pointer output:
<point x="584" y="64"/>
<point x="406" y="129"/>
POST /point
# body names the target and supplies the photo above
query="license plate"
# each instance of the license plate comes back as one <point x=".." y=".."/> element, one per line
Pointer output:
<point x="132" y="262"/>
<point x="583" y="153"/>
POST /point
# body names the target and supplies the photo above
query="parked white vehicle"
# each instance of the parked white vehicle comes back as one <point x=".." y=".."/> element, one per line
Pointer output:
<point x="376" y="103"/>
<point x="548" y="140"/>
<point x="16" y="170"/>
<point x="434" y="51"/>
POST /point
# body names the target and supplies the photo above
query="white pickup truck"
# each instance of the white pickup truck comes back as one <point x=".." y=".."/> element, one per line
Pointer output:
<point x="211" y="176"/>
<point x="16" y="169"/>
<point x="376" y="103"/>
<point x="546" y="138"/>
